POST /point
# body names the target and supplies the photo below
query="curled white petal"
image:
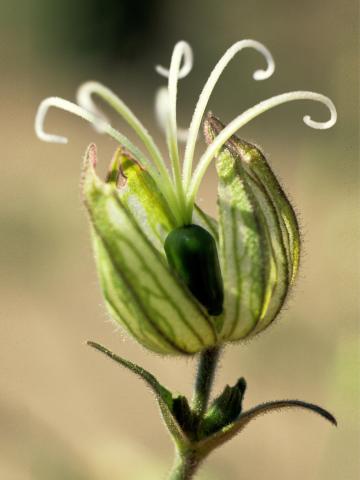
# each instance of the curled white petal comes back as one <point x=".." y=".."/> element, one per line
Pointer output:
<point x="86" y="115"/>
<point x="209" y="87"/>
<point x="187" y="62"/>
<point x="182" y="134"/>
<point x="85" y="100"/>
<point x="101" y="125"/>
<point x="320" y="98"/>
<point x="249" y="115"/>
<point x="162" y="107"/>
<point x="63" y="105"/>
<point x="181" y="52"/>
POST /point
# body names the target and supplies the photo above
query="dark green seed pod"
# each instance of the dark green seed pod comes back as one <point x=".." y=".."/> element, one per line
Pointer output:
<point x="191" y="251"/>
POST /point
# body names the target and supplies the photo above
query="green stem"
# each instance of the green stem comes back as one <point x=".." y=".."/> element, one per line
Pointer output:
<point x="185" y="465"/>
<point x="204" y="380"/>
<point x="188" y="459"/>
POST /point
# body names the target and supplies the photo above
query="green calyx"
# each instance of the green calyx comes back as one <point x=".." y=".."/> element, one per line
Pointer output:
<point x="259" y="237"/>
<point x="143" y="201"/>
<point x="181" y="289"/>
<point x="141" y="292"/>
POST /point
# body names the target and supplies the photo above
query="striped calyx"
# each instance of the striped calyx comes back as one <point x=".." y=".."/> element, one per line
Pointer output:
<point x="130" y="220"/>
<point x="258" y="237"/>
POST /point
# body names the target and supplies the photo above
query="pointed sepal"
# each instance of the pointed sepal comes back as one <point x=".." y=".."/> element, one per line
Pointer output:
<point x="258" y="236"/>
<point x="183" y="414"/>
<point x="224" y="409"/>
<point x="231" y="430"/>
<point x="141" y="292"/>
<point x="140" y="194"/>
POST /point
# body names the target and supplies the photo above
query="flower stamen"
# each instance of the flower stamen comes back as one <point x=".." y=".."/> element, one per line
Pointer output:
<point x="71" y="107"/>
<point x="181" y="53"/>
<point x="101" y="125"/>
<point x="209" y="87"/>
<point x="84" y="98"/>
<point x="162" y="112"/>
<point x="180" y="191"/>
<point x="187" y="63"/>
<point x="245" y="118"/>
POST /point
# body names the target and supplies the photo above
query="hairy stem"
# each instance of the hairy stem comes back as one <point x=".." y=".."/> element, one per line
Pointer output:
<point x="204" y="380"/>
<point x="187" y="460"/>
<point x="185" y="465"/>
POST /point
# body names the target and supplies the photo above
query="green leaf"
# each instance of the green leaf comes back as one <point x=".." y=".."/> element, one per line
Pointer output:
<point x="163" y="395"/>
<point x="219" y="438"/>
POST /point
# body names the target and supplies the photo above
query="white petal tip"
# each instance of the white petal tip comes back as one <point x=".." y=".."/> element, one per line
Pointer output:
<point x="185" y="51"/>
<point x="262" y="74"/>
<point x="161" y="71"/>
<point x="52" y="138"/>
<point x="320" y="125"/>
<point x="61" y="140"/>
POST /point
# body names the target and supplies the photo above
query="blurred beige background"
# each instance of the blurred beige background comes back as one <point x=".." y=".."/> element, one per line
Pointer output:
<point x="65" y="411"/>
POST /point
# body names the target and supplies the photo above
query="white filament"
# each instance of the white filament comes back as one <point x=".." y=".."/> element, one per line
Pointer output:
<point x="181" y="51"/>
<point x="245" y="118"/>
<point x="165" y="184"/>
<point x="185" y="68"/>
<point x="86" y="115"/>
<point x="84" y="98"/>
<point x="209" y="87"/>
<point x="162" y="106"/>
<point x="162" y="113"/>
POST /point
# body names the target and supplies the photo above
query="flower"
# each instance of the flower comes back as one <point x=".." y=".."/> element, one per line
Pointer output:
<point x="176" y="279"/>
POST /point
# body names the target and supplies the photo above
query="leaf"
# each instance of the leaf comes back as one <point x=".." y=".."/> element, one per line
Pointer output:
<point x="163" y="395"/>
<point x="228" y="432"/>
